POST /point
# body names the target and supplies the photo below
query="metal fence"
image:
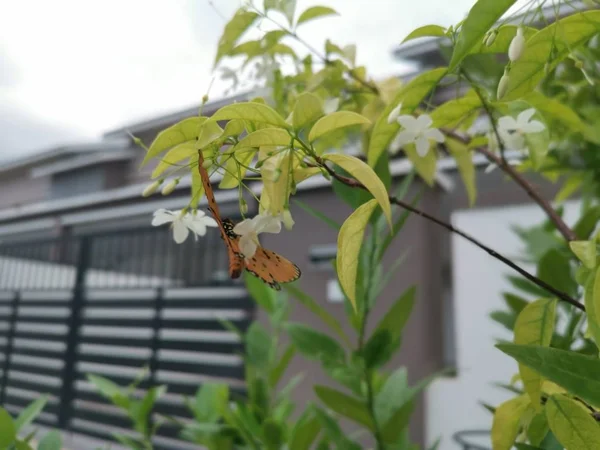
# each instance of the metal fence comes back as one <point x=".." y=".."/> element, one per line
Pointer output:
<point x="109" y="304"/>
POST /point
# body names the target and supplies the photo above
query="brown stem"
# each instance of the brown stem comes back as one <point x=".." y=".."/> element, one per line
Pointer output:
<point x="562" y="227"/>
<point x="541" y="283"/>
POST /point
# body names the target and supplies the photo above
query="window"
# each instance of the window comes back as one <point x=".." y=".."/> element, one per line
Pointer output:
<point x="81" y="181"/>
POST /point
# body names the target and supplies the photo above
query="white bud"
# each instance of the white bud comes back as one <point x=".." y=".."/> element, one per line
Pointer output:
<point x="491" y="37"/>
<point x="170" y="187"/>
<point x="394" y="114"/>
<point x="502" y="86"/>
<point x="287" y="220"/>
<point x="151" y="188"/>
<point x="515" y="50"/>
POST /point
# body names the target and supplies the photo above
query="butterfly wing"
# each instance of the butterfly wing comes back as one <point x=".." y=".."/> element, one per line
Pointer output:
<point x="236" y="261"/>
<point x="272" y="268"/>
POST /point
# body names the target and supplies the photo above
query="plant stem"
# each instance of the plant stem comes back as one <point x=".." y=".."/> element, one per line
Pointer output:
<point x="558" y="293"/>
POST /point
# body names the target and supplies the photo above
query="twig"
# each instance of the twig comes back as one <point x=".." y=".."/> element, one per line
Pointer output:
<point x="562" y="227"/>
<point x="541" y="283"/>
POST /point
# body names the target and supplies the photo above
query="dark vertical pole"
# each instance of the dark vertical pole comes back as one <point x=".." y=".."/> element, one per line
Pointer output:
<point x="73" y="325"/>
<point x="159" y="303"/>
<point x="10" y="337"/>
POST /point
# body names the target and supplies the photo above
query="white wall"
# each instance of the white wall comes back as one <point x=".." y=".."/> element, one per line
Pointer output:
<point x="478" y="279"/>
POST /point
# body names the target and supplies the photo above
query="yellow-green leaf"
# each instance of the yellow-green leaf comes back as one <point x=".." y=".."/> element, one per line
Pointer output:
<point x="483" y="15"/>
<point x="197" y="187"/>
<point x="251" y="111"/>
<point x="425" y="30"/>
<point x="572" y="423"/>
<point x="334" y="121"/>
<point x="592" y="306"/>
<point x="585" y="251"/>
<point x="425" y="166"/>
<point x="175" y="155"/>
<point x="233" y="31"/>
<point x="243" y="156"/>
<point x="363" y="173"/>
<point x="209" y="132"/>
<point x="411" y="95"/>
<point x="266" y="137"/>
<point x="349" y="242"/>
<point x="453" y="111"/>
<point x="186" y="130"/>
<point x="549" y="45"/>
<point x="308" y="108"/>
<point x="234" y="128"/>
<point x="553" y="109"/>
<point x="464" y="160"/>
<point x="534" y="326"/>
<point x="315" y="12"/>
<point x="505" y="425"/>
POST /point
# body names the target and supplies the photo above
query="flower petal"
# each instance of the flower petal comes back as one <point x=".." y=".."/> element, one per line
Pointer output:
<point x="246" y="226"/>
<point x="435" y="134"/>
<point x="424" y="121"/>
<point x="248" y="246"/>
<point x="422" y="146"/>
<point x="524" y="117"/>
<point x="180" y="231"/>
<point x="266" y="223"/>
<point x="535" y="126"/>
<point x="408" y="122"/>
<point x="162" y="216"/>
<point x="490" y="168"/>
<point x="394" y="114"/>
<point x="405" y="137"/>
<point x="507" y="123"/>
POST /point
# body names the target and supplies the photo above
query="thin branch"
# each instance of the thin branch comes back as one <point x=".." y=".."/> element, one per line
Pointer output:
<point x="541" y="283"/>
<point x="562" y="227"/>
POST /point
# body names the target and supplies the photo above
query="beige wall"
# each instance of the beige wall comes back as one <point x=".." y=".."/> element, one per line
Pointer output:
<point x="18" y="188"/>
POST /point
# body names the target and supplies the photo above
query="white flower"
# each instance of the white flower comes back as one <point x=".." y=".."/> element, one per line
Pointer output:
<point x="249" y="229"/>
<point x="182" y="222"/>
<point x="513" y="131"/>
<point x="515" y="49"/>
<point x="394" y="114"/>
<point x="417" y="130"/>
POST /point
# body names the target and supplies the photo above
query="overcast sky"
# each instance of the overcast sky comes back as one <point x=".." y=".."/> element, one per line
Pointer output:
<point x="71" y="70"/>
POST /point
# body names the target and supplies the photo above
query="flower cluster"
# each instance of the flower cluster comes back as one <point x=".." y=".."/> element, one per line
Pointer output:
<point x="416" y="130"/>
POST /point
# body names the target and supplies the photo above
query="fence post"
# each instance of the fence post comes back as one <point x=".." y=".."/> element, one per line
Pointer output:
<point x="159" y="303"/>
<point x="10" y="338"/>
<point x="73" y="325"/>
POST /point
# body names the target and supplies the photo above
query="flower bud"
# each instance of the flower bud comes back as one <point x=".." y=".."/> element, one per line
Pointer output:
<point x="287" y="220"/>
<point x="394" y="114"/>
<point x="207" y="163"/>
<point x="243" y="206"/>
<point x="151" y="189"/>
<point x="204" y="99"/>
<point x="325" y="174"/>
<point x="170" y="187"/>
<point x="515" y="49"/>
<point x="491" y="37"/>
<point x="579" y="64"/>
<point x="502" y="86"/>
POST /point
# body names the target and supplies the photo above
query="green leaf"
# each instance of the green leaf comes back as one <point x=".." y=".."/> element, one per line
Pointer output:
<point x="261" y="293"/>
<point x="185" y="131"/>
<point x="397" y="316"/>
<point x="586" y="225"/>
<point x="350" y="407"/>
<point x="464" y="160"/>
<point x="29" y="414"/>
<point x="411" y="95"/>
<point x="369" y="179"/>
<point x="425" y="166"/>
<point x="549" y="45"/>
<point x="572" y="424"/>
<point x="265" y="137"/>
<point x="210" y="401"/>
<point x="482" y="16"/>
<point x="592" y="305"/>
<point x="51" y="441"/>
<point x="504" y="318"/>
<point x="554" y="269"/>
<point x="22" y="445"/>
<point x="553" y="109"/>
<point x="259" y="345"/>
<point x="174" y="156"/>
<point x="348" y="248"/>
<point x="570" y="186"/>
<point x="504" y="36"/>
<point x="281" y="366"/>
<point x="197" y="188"/>
<point x="378" y="349"/>
<point x="142" y="413"/>
<point x="272" y="434"/>
<point x="233" y="31"/>
<point x="319" y="215"/>
<point x="251" y="111"/>
<point x="521" y="446"/>
<point x="8" y="431"/>
<point x="538" y="144"/>
<point x="538" y="428"/>
<point x="313" y="306"/>
<point x="534" y="326"/>
<point x="308" y="108"/>
<point x="505" y="425"/>
<point x="305" y="431"/>
<point x="526" y="286"/>
<point x="575" y="372"/>
<point x="452" y="112"/>
<point x="314" y="13"/>
<point x="106" y="387"/>
<point x="514" y="302"/>
<point x="315" y="345"/>
<point x="585" y="251"/>
<point x="425" y="30"/>
<point x="335" y="121"/>
<point x="209" y="132"/>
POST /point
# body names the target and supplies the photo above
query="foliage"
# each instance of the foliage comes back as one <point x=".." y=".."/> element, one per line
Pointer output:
<point x="16" y="435"/>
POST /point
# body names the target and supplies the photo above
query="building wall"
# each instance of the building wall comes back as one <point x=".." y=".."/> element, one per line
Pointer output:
<point x="18" y="188"/>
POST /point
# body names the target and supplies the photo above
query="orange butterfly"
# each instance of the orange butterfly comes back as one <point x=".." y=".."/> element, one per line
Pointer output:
<point x="270" y="267"/>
